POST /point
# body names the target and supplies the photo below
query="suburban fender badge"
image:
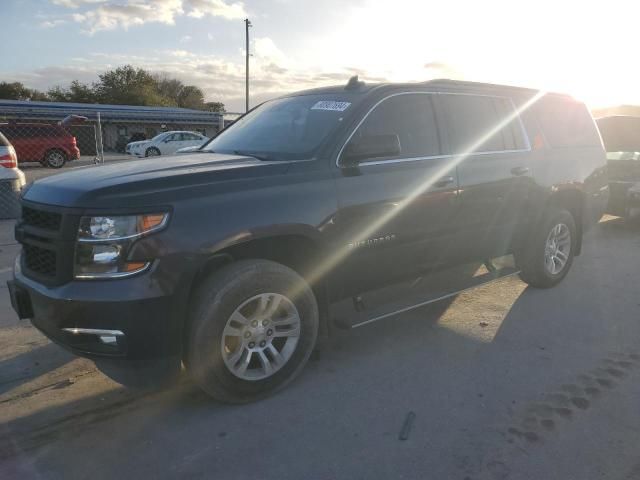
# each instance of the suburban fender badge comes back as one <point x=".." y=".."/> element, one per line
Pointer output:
<point x="372" y="242"/>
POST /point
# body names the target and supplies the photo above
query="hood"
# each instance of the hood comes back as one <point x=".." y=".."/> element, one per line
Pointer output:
<point x="147" y="181"/>
<point x="138" y="143"/>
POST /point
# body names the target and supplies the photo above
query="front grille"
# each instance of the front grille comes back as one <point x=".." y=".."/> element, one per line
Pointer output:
<point x="40" y="260"/>
<point x="41" y="218"/>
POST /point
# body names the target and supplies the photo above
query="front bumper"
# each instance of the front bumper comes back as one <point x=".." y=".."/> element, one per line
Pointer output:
<point x="129" y="318"/>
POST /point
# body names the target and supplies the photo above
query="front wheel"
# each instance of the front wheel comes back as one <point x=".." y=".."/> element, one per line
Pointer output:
<point x="549" y="255"/>
<point x="252" y="330"/>
<point x="152" y="152"/>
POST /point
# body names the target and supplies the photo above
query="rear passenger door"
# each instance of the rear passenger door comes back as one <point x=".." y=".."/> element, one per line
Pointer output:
<point x="393" y="217"/>
<point x="491" y="149"/>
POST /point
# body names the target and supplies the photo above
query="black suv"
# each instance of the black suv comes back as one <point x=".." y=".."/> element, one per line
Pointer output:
<point x="336" y="206"/>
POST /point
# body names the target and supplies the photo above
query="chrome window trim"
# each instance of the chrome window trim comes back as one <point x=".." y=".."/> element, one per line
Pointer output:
<point x="433" y="157"/>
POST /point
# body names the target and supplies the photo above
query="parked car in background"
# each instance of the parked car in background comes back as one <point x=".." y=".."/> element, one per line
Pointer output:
<point x="12" y="180"/>
<point x="332" y="207"/>
<point x="166" y="143"/>
<point x="122" y="145"/>
<point x="621" y="138"/>
<point x="51" y="145"/>
<point x="132" y="145"/>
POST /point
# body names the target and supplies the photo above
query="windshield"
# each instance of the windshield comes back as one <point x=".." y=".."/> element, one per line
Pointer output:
<point x="157" y="137"/>
<point x="291" y="128"/>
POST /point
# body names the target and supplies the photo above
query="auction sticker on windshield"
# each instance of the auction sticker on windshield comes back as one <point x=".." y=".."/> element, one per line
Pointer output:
<point x="331" y="105"/>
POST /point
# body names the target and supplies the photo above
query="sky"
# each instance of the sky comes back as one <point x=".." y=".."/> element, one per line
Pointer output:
<point x="586" y="48"/>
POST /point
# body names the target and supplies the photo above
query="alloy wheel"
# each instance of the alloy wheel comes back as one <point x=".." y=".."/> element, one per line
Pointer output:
<point x="260" y="336"/>
<point x="557" y="249"/>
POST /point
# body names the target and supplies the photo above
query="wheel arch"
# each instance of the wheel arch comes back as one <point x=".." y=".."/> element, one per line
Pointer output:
<point x="299" y="251"/>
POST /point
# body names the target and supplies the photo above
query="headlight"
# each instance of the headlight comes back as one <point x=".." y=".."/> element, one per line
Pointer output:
<point x="104" y="243"/>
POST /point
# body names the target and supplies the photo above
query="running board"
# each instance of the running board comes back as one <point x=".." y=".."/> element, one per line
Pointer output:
<point x="402" y="297"/>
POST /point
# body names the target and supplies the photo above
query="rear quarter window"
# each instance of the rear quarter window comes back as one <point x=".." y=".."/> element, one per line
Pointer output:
<point x="482" y="123"/>
<point x="566" y="123"/>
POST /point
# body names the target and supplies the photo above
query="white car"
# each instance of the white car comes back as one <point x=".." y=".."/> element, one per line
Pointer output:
<point x="166" y="143"/>
<point x="12" y="180"/>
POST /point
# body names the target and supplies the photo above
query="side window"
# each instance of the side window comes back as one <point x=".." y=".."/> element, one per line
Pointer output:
<point x="512" y="134"/>
<point x="566" y="123"/>
<point x="174" y="137"/>
<point x="412" y="118"/>
<point x="473" y="120"/>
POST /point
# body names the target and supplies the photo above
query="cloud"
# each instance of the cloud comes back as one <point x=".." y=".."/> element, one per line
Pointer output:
<point x="52" y="23"/>
<point x="109" y="16"/>
<point x="100" y="15"/>
<point x="265" y="48"/>
<point x="75" y="3"/>
<point x="221" y="79"/>
<point x="186" y="39"/>
<point x="216" y="8"/>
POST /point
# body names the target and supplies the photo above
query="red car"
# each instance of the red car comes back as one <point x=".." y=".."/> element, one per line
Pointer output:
<point x="50" y="145"/>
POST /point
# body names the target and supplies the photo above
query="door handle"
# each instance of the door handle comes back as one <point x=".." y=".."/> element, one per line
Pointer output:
<point x="444" y="181"/>
<point x="517" y="171"/>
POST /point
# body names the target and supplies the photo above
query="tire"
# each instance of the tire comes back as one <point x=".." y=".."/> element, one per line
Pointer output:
<point x="218" y="345"/>
<point x="152" y="152"/>
<point x="542" y="268"/>
<point x="55" y="158"/>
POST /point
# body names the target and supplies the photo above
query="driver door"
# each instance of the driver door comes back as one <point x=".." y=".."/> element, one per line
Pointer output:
<point x="394" y="211"/>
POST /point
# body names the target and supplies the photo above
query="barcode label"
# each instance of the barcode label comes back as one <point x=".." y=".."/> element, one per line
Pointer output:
<point x="331" y="105"/>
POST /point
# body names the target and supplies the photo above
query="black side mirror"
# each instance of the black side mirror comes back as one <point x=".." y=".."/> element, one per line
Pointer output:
<point x="371" y="146"/>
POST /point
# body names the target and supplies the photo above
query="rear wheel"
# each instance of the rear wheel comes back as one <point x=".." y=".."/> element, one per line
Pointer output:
<point x="55" y="158"/>
<point x="253" y="327"/>
<point x="152" y="152"/>
<point x="549" y="255"/>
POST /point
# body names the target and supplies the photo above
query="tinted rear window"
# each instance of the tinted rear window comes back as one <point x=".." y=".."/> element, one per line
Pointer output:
<point x="566" y="123"/>
<point x="482" y="124"/>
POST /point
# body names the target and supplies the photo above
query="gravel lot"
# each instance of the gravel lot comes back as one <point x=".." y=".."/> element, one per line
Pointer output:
<point x="504" y="382"/>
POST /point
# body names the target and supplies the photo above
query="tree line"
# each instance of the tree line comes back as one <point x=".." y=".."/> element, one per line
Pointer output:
<point x="125" y="85"/>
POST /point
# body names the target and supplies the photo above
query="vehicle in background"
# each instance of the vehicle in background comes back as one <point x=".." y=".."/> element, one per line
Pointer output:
<point x="621" y="138"/>
<point x="166" y="143"/>
<point x="334" y="207"/>
<point x="132" y="145"/>
<point x="122" y="145"/>
<point x="50" y="145"/>
<point x="12" y="180"/>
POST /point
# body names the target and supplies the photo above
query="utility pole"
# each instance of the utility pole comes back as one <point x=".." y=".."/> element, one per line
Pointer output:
<point x="247" y="24"/>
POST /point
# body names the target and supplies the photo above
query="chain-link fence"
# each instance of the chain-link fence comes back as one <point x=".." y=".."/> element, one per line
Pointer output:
<point x="47" y="138"/>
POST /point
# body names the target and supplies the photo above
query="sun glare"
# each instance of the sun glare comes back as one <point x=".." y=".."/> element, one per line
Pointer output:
<point x="579" y="48"/>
